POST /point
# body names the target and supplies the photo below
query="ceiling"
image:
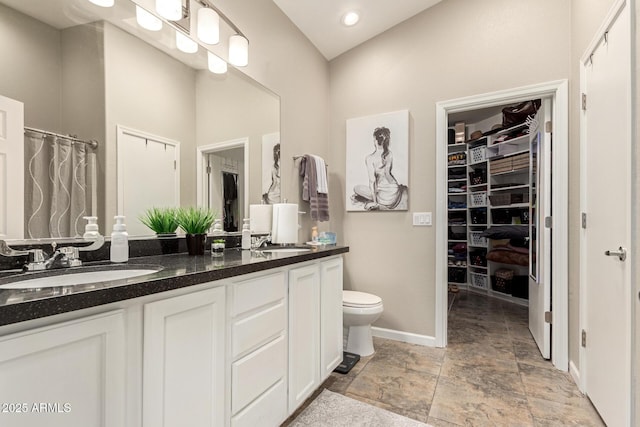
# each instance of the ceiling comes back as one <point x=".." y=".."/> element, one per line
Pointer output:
<point x="319" y="20"/>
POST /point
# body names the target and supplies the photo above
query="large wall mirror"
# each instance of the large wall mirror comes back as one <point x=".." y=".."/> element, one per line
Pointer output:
<point x="169" y="132"/>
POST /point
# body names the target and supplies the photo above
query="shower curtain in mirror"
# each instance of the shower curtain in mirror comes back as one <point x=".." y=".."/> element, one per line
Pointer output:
<point x="58" y="191"/>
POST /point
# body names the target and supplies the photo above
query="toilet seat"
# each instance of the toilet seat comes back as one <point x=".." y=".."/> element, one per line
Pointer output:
<point x="360" y="299"/>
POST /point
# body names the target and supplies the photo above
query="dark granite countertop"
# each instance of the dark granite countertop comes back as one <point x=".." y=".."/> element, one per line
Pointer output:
<point x="178" y="271"/>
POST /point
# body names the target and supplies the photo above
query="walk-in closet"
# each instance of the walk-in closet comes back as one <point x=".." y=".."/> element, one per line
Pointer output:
<point x="491" y="200"/>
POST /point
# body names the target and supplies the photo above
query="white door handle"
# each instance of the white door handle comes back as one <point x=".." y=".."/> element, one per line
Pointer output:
<point x="621" y="253"/>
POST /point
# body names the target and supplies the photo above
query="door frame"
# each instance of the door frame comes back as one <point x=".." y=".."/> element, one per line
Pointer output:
<point x="581" y="380"/>
<point x="201" y="153"/>
<point x="558" y="91"/>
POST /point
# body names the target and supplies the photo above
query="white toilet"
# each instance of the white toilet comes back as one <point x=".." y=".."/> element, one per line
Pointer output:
<point x="359" y="311"/>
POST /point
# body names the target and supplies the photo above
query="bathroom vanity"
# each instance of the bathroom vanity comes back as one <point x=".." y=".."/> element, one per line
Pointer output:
<point x="237" y="341"/>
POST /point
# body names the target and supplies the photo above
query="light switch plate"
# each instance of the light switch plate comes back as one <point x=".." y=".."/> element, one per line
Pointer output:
<point x="422" y="219"/>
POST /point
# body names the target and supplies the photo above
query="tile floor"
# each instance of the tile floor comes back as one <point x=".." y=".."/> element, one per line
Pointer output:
<point x="491" y="373"/>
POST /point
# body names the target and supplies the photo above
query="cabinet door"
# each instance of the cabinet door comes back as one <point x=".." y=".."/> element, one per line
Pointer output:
<point x="330" y="316"/>
<point x="304" y="333"/>
<point x="70" y="374"/>
<point x="183" y="363"/>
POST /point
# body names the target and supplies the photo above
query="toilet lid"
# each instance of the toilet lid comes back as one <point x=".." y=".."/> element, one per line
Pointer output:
<point x="359" y="299"/>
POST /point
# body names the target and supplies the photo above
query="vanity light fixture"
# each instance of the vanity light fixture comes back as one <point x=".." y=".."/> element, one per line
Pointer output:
<point x="208" y="26"/>
<point x="238" y="50"/>
<point x="147" y="20"/>
<point x="185" y="44"/>
<point x="350" y="19"/>
<point x="216" y="64"/>
<point x="103" y="3"/>
<point x="169" y="9"/>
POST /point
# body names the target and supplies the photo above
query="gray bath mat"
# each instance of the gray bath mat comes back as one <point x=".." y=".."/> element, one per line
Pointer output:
<point x="335" y="410"/>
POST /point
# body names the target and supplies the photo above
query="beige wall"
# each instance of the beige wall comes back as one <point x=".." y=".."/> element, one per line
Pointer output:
<point x="457" y="48"/>
<point x="231" y="107"/>
<point x="31" y="69"/>
<point x="149" y="91"/>
<point x="283" y="60"/>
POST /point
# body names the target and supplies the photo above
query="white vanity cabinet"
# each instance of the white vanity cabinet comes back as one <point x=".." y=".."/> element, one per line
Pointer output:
<point x="68" y="374"/>
<point x="315" y="326"/>
<point x="184" y="360"/>
<point x="304" y="333"/>
<point x="330" y="316"/>
<point x="258" y="344"/>
<point x="239" y="351"/>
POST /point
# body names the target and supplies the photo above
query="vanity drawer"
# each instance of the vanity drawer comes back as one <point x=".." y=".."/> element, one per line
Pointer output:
<point x="258" y="328"/>
<point x="270" y="409"/>
<point x="258" y="371"/>
<point x="253" y="293"/>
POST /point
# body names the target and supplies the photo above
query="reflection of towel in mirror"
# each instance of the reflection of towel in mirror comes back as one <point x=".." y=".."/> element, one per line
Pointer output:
<point x="321" y="175"/>
<point x="318" y="202"/>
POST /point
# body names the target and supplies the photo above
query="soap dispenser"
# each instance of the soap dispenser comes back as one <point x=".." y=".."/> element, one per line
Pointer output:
<point x="217" y="227"/>
<point x="91" y="229"/>
<point x="246" y="234"/>
<point x="119" y="241"/>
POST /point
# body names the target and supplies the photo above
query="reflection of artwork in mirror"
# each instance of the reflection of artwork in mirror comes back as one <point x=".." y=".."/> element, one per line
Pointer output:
<point x="378" y="162"/>
<point x="271" y="168"/>
<point x="533" y="214"/>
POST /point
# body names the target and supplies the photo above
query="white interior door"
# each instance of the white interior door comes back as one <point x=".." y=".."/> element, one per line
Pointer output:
<point x="539" y="234"/>
<point x="11" y="168"/>
<point x="148" y="176"/>
<point x="606" y="201"/>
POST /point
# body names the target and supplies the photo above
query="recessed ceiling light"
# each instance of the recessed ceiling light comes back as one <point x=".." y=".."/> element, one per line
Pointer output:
<point x="350" y="19"/>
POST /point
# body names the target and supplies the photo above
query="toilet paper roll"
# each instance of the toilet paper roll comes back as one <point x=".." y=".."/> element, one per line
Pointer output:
<point x="284" y="227"/>
<point x="260" y="217"/>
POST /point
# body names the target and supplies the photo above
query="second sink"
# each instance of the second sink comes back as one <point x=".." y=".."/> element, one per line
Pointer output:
<point x="78" y="278"/>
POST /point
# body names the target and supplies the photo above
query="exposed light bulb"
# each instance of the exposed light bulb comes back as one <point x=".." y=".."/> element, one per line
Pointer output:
<point x="147" y="20"/>
<point x="169" y="9"/>
<point x="350" y="18"/>
<point x="103" y="3"/>
<point x="238" y="50"/>
<point x="185" y="44"/>
<point x="216" y="64"/>
<point x="208" y="26"/>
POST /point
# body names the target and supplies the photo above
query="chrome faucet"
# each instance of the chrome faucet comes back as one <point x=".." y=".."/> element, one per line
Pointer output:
<point x="258" y="242"/>
<point x="68" y="256"/>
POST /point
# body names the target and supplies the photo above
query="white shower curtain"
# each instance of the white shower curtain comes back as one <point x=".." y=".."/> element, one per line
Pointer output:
<point x="57" y="185"/>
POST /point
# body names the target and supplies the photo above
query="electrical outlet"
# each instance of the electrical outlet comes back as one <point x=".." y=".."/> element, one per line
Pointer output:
<point x="422" y="219"/>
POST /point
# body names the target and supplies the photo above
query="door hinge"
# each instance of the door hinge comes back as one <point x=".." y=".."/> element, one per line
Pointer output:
<point x="548" y="317"/>
<point x="584" y="220"/>
<point x="208" y="170"/>
<point x="175" y="165"/>
<point x="548" y="126"/>
<point x="584" y="101"/>
<point x="584" y="338"/>
<point x="548" y="222"/>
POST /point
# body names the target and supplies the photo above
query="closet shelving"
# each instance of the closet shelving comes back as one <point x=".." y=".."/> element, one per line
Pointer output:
<point x="477" y="171"/>
<point x="508" y="153"/>
<point x="487" y="186"/>
<point x="457" y="187"/>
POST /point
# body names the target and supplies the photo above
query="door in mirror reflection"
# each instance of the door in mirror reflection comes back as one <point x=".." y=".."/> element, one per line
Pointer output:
<point x="226" y="186"/>
<point x="148" y="176"/>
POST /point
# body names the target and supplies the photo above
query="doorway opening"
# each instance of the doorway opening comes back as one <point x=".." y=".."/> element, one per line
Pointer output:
<point x="223" y="180"/>
<point x="486" y="151"/>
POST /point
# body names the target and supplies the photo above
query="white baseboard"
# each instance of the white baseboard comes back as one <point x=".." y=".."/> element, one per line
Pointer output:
<point x="407" y="337"/>
<point x="575" y="374"/>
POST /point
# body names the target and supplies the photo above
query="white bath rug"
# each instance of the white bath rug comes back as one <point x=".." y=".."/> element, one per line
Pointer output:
<point x="335" y="410"/>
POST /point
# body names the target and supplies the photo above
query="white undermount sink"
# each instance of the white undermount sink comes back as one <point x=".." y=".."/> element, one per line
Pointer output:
<point x="281" y="250"/>
<point x="79" y="278"/>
